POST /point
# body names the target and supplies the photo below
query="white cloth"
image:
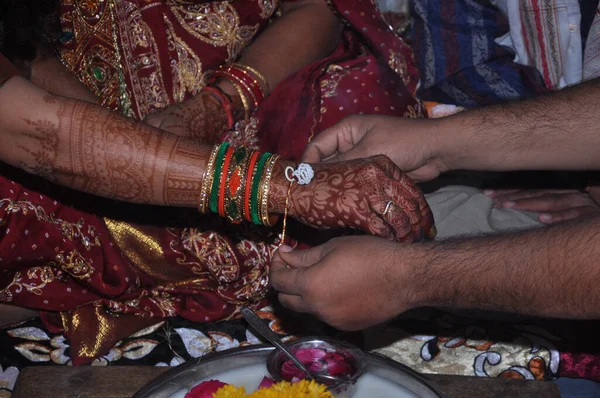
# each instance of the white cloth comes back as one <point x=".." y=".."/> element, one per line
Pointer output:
<point x="547" y="37"/>
<point x="466" y="211"/>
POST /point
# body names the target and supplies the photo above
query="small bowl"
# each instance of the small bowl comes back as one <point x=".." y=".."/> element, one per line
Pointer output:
<point x="334" y="363"/>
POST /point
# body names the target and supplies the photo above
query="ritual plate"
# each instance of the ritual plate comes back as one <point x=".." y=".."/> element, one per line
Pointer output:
<point x="246" y="366"/>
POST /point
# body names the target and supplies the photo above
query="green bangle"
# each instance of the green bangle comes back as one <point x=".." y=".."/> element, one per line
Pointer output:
<point x="214" y="195"/>
<point x="255" y="183"/>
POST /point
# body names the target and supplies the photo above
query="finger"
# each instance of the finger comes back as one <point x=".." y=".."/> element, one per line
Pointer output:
<point x="529" y="193"/>
<point x="304" y="258"/>
<point x="277" y="262"/>
<point x="287" y="280"/>
<point x="594" y="193"/>
<point x="407" y="216"/>
<point x="333" y="143"/>
<point x="325" y="144"/>
<point x="400" y="222"/>
<point x="293" y="302"/>
<point x="492" y="193"/>
<point x="427" y="224"/>
<point x="546" y="203"/>
<point x="566" y="215"/>
<point x="377" y="225"/>
<point x="153" y="120"/>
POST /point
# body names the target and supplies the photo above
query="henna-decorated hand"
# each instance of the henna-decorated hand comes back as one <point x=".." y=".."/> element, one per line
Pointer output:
<point x="369" y="194"/>
<point x="201" y="117"/>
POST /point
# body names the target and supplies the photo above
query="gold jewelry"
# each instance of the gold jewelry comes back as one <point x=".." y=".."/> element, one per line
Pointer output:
<point x="258" y="77"/>
<point x="242" y="84"/>
<point x="207" y="181"/>
<point x="264" y="200"/>
<point x="243" y="99"/>
<point x="285" y="213"/>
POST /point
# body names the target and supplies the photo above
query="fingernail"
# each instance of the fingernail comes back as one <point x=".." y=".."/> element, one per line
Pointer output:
<point x="433" y="232"/>
<point x="285" y="248"/>
<point x="545" y="217"/>
<point x="488" y="192"/>
<point x="508" y="204"/>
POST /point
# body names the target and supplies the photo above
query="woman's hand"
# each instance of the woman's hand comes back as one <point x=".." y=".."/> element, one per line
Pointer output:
<point x="369" y="194"/>
<point x="554" y="206"/>
<point x="201" y="117"/>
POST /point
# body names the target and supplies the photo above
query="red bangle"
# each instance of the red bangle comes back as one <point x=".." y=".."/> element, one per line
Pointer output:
<point x="225" y="101"/>
<point x="224" y="172"/>
<point x="248" y="81"/>
<point x="240" y="83"/>
<point x="251" y="166"/>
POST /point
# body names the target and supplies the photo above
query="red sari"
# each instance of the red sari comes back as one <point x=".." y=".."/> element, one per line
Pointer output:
<point x="100" y="279"/>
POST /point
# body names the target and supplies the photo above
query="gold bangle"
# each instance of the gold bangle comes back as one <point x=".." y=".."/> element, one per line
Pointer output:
<point x="264" y="204"/>
<point x="243" y="99"/>
<point x="285" y="213"/>
<point x="207" y="179"/>
<point x="242" y="84"/>
<point x="262" y="81"/>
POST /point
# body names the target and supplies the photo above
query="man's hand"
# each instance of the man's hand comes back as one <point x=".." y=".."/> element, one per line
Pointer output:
<point x="554" y="206"/>
<point x="408" y="142"/>
<point x="351" y="283"/>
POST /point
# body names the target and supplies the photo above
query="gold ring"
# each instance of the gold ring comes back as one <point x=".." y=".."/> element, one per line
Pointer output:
<point x="388" y="206"/>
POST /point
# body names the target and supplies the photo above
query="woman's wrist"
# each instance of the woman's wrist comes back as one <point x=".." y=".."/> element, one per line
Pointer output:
<point x="279" y="187"/>
<point x="237" y="105"/>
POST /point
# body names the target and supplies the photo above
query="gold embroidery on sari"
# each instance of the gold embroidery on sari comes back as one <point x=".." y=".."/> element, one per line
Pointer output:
<point x="414" y="111"/>
<point x="70" y="230"/>
<point x="187" y="69"/>
<point x="267" y="7"/>
<point x="98" y="67"/>
<point x="244" y="133"/>
<point x="137" y="41"/>
<point x="398" y="64"/>
<point x="334" y="76"/>
<point x="213" y="251"/>
<point x="74" y="264"/>
<point x="45" y="274"/>
<point x="216" y="23"/>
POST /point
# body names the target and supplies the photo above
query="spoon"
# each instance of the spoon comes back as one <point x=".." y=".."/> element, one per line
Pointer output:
<point x="258" y="325"/>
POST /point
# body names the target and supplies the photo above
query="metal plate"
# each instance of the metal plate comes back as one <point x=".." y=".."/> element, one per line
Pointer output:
<point x="192" y="372"/>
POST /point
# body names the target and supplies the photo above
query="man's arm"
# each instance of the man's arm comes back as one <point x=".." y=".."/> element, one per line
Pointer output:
<point x="552" y="272"/>
<point x="360" y="281"/>
<point x="560" y="131"/>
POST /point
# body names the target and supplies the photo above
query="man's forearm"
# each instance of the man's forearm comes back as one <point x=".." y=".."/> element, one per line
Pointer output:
<point x="552" y="272"/>
<point x="560" y="131"/>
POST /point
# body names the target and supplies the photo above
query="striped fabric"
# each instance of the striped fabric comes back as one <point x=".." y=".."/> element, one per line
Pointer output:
<point x="591" y="59"/>
<point x="459" y="60"/>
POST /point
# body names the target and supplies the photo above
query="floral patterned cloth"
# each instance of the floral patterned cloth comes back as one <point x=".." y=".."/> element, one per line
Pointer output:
<point x="429" y="341"/>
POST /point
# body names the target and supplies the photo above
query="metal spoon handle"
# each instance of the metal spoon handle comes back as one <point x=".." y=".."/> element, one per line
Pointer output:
<point x="257" y="323"/>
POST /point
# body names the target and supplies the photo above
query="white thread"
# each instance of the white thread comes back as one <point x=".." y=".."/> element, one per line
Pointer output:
<point x="304" y="173"/>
